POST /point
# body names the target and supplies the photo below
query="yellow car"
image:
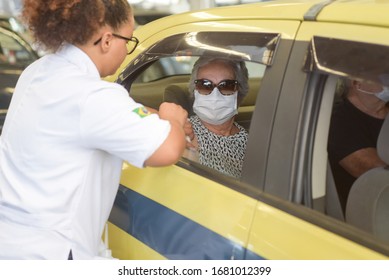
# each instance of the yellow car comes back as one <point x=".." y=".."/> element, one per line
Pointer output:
<point x="284" y="206"/>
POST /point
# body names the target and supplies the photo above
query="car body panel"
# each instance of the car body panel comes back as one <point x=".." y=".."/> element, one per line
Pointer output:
<point x="179" y="182"/>
<point x="122" y="241"/>
<point x="343" y="31"/>
<point x="275" y="211"/>
<point x="270" y="239"/>
<point x="373" y="13"/>
<point x="231" y="217"/>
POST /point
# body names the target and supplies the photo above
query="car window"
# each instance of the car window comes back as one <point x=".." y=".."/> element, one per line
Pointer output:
<point x="166" y="67"/>
<point x="165" y="72"/>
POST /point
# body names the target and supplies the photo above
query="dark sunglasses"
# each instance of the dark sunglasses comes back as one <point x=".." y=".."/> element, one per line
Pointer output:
<point x="226" y="87"/>
<point x="131" y="44"/>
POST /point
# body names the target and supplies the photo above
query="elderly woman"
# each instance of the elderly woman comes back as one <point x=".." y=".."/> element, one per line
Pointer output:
<point x="218" y="87"/>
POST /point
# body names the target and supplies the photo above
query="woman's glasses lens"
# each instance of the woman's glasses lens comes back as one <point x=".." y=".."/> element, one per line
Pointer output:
<point x="226" y="87"/>
<point x="132" y="44"/>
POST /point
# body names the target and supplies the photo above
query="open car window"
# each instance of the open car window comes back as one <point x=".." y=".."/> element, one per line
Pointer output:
<point x="162" y="72"/>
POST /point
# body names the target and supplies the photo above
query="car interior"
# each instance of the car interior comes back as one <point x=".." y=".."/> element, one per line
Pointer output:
<point x="174" y="88"/>
<point x="367" y="204"/>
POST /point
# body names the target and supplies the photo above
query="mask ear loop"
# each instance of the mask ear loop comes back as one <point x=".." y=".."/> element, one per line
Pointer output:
<point x="383" y="94"/>
<point x="364" y="91"/>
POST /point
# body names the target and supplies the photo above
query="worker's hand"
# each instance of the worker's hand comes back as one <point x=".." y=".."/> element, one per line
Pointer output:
<point x="173" y="113"/>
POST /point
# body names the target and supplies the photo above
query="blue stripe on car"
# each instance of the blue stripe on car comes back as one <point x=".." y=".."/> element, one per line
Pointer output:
<point x="168" y="232"/>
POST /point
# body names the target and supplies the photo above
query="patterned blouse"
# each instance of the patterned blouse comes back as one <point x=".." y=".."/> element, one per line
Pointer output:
<point x="222" y="153"/>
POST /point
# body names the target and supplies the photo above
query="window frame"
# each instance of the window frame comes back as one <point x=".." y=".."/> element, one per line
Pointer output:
<point x="273" y="48"/>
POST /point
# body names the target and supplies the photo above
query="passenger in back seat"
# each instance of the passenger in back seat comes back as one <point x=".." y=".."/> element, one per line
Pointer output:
<point x="219" y="86"/>
<point x="355" y="125"/>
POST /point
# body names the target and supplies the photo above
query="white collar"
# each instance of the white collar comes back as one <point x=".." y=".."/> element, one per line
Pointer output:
<point x="79" y="58"/>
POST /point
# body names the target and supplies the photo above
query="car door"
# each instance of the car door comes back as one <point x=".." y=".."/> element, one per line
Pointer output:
<point x="188" y="211"/>
<point x="324" y="53"/>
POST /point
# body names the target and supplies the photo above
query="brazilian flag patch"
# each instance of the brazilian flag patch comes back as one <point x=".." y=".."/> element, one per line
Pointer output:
<point x="141" y="112"/>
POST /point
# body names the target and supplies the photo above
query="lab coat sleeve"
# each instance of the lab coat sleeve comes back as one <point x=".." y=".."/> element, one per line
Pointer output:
<point x="113" y="122"/>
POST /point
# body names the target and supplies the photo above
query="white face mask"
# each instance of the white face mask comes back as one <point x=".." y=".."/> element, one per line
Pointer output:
<point x="382" y="95"/>
<point x="215" y="108"/>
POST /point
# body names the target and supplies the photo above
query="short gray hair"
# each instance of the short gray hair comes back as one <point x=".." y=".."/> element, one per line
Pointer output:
<point x="239" y="67"/>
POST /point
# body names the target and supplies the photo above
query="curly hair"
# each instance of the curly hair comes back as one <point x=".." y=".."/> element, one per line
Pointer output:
<point x="54" y="22"/>
<point x="239" y="67"/>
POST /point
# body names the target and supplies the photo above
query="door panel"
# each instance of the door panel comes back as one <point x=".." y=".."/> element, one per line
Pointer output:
<point x="278" y="235"/>
<point x="292" y="171"/>
<point x="180" y="215"/>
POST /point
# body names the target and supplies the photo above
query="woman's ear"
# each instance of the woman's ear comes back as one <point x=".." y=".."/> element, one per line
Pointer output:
<point x="106" y="41"/>
<point x="355" y="83"/>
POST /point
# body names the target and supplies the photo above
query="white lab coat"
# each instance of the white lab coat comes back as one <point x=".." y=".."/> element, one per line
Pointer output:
<point x="61" y="153"/>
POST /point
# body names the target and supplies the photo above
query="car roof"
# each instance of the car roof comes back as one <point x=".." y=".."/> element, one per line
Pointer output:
<point x="365" y="12"/>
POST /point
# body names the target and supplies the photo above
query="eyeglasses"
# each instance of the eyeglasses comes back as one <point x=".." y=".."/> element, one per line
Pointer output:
<point x="226" y="87"/>
<point x="131" y="42"/>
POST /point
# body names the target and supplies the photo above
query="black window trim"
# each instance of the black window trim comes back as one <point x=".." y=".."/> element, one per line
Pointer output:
<point x="351" y="59"/>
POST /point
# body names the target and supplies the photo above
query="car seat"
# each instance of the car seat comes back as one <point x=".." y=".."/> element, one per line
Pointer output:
<point x="179" y="94"/>
<point x="368" y="202"/>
